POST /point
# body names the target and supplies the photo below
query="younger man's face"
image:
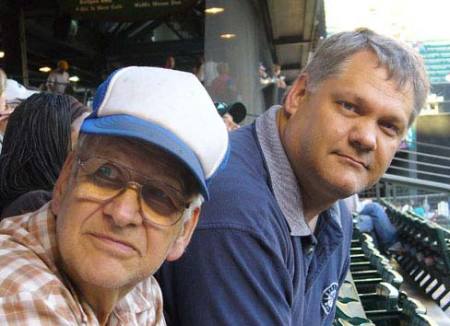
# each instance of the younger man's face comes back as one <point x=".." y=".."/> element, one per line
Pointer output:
<point x="342" y="136"/>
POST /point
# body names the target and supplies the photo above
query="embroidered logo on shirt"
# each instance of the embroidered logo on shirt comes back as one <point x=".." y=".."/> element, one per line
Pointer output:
<point x="328" y="297"/>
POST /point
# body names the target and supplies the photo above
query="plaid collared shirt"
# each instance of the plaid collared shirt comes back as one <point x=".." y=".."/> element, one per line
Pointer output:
<point x="34" y="292"/>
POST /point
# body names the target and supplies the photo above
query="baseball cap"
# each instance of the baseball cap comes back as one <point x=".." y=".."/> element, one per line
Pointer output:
<point x="166" y="108"/>
<point x="15" y="92"/>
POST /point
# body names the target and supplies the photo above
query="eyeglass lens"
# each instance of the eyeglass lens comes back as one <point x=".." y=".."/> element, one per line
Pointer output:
<point x="103" y="180"/>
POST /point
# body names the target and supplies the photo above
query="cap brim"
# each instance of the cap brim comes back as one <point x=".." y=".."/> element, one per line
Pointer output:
<point x="129" y="126"/>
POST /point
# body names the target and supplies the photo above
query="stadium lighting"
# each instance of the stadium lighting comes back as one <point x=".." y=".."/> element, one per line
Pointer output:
<point x="214" y="10"/>
<point x="228" y="36"/>
<point x="45" y="69"/>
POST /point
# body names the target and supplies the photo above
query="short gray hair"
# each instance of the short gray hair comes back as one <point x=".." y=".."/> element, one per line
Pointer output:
<point x="404" y="65"/>
<point x="196" y="202"/>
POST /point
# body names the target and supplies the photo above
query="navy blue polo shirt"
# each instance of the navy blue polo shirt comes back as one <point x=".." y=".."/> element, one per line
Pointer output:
<point x="253" y="259"/>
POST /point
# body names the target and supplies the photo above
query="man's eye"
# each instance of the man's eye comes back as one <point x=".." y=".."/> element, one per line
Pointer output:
<point x="107" y="172"/>
<point x="347" y="106"/>
<point x="390" y="129"/>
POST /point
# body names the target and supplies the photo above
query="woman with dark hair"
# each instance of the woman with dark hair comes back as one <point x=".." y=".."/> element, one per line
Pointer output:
<point x="41" y="132"/>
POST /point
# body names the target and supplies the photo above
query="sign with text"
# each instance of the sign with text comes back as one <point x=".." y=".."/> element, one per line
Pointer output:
<point x="128" y="10"/>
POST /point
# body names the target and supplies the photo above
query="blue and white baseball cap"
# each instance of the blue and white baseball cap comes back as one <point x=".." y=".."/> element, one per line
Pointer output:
<point x="167" y="108"/>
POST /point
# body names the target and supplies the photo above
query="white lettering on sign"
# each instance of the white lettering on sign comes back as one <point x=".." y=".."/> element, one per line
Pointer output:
<point x="89" y="2"/>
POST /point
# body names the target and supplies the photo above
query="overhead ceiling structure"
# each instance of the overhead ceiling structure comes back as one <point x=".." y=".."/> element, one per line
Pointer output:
<point x="295" y="27"/>
<point x="95" y="40"/>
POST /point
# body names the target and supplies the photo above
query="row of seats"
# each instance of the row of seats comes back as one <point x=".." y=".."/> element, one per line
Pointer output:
<point x="371" y="296"/>
<point x="427" y="256"/>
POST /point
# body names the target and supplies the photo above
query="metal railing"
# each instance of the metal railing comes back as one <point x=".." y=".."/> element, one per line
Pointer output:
<point x="426" y="168"/>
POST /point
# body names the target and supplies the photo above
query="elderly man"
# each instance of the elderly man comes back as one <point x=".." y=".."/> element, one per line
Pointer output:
<point x="272" y="248"/>
<point x="127" y="199"/>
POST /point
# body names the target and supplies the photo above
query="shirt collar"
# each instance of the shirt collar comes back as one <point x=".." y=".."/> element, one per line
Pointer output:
<point x="282" y="177"/>
<point x="137" y="301"/>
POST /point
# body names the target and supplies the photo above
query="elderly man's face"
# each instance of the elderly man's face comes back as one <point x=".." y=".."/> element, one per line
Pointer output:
<point x="109" y="245"/>
<point x="342" y="136"/>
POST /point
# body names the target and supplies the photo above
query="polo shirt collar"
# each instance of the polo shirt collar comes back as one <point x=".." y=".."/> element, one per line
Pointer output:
<point x="283" y="180"/>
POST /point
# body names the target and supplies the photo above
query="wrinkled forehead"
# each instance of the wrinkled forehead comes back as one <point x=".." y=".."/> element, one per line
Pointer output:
<point x="146" y="158"/>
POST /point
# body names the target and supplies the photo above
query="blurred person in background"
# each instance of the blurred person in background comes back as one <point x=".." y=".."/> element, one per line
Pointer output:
<point x="223" y="87"/>
<point x="58" y="79"/>
<point x="199" y="69"/>
<point x="41" y="132"/>
<point x="372" y="219"/>
<point x="280" y="83"/>
<point x="232" y="114"/>
<point x="170" y="62"/>
<point x="277" y="78"/>
<point x="264" y="77"/>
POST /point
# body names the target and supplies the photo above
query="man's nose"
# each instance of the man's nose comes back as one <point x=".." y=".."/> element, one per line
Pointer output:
<point x="124" y="208"/>
<point x="363" y="136"/>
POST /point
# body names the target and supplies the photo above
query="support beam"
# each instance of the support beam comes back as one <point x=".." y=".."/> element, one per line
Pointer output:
<point x="43" y="34"/>
<point x="174" y="30"/>
<point x="23" y="48"/>
<point x="140" y="28"/>
<point x="126" y="49"/>
<point x="290" y="40"/>
<point x="131" y="28"/>
<point x="150" y="27"/>
<point x="268" y="28"/>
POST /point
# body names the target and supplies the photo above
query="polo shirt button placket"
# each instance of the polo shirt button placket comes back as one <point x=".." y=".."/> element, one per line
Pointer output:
<point x="309" y="250"/>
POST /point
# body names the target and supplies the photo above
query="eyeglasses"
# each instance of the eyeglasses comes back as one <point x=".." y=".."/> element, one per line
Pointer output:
<point x="103" y="180"/>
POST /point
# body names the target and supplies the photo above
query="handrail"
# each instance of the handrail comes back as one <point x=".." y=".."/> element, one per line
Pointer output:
<point x="429" y="145"/>
<point x="427" y="169"/>
<point x="422" y="163"/>
<point x="424" y="154"/>
<point x="420" y="172"/>
<point x="424" y="184"/>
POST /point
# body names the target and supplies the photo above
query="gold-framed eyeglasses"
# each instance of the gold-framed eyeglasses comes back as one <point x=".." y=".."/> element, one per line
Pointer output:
<point x="102" y="180"/>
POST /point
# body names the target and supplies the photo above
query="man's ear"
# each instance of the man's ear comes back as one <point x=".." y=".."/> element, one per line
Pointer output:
<point x="296" y="94"/>
<point x="61" y="183"/>
<point x="180" y="244"/>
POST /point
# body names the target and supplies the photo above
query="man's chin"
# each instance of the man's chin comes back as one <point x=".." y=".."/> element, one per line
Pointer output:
<point x="346" y="189"/>
<point x="108" y="280"/>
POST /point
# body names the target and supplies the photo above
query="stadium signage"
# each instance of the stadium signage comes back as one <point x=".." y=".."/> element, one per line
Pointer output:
<point x="128" y="10"/>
